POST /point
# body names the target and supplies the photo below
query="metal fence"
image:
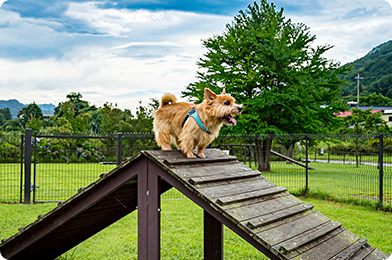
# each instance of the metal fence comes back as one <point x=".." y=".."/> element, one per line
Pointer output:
<point x="341" y="166"/>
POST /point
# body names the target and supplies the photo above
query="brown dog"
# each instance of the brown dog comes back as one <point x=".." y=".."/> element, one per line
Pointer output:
<point x="172" y="120"/>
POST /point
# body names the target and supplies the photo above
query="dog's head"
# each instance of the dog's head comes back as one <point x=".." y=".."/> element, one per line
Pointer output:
<point x="222" y="107"/>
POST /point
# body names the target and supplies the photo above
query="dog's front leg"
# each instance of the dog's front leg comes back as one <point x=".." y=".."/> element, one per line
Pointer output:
<point x="166" y="147"/>
<point x="200" y="151"/>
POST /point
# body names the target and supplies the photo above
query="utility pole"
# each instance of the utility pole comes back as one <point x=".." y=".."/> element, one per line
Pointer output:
<point x="358" y="78"/>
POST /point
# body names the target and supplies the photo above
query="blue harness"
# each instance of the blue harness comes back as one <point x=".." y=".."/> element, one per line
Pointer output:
<point x="193" y="113"/>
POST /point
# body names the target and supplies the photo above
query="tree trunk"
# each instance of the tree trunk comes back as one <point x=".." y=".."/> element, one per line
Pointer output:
<point x="263" y="148"/>
<point x="290" y="152"/>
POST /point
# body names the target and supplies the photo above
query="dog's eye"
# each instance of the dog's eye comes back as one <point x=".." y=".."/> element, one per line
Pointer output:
<point x="227" y="103"/>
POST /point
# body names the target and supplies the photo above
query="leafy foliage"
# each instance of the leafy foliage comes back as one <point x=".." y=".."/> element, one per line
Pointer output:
<point x="267" y="63"/>
<point x="27" y="113"/>
<point x="363" y="122"/>
<point x="376" y="71"/>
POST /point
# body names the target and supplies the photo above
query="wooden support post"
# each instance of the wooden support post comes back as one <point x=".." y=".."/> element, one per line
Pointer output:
<point x="149" y="222"/>
<point x="213" y="238"/>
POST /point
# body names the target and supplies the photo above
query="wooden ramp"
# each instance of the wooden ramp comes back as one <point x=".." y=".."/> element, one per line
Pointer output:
<point x="267" y="216"/>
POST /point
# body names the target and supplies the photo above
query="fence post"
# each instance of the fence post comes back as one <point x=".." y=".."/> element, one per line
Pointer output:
<point x="307" y="162"/>
<point x="27" y="182"/>
<point x="119" y="148"/>
<point x="381" y="168"/>
<point x="21" y="168"/>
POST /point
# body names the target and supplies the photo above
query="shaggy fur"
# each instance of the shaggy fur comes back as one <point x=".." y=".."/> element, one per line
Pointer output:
<point x="214" y="111"/>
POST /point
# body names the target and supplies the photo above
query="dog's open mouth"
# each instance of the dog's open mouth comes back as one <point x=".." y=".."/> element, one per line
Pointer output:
<point x="229" y="120"/>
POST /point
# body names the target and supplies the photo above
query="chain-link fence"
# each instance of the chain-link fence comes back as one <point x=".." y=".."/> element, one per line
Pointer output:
<point x="342" y="166"/>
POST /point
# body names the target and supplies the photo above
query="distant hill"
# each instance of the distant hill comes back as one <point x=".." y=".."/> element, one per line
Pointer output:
<point x="15" y="106"/>
<point x="376" y="70"/>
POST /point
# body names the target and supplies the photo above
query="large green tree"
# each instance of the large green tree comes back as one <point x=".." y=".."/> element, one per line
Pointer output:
<point x="270" y="64"/>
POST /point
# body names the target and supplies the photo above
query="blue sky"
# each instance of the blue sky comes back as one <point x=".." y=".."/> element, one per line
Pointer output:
<point x="126" y="51"/>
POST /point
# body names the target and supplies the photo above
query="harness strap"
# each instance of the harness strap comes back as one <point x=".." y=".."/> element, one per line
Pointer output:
<point x="193" y="113"/>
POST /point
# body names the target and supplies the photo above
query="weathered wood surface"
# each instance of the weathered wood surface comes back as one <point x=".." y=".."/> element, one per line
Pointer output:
<point x="249" y="195"/>
<point x="223" y="177"/>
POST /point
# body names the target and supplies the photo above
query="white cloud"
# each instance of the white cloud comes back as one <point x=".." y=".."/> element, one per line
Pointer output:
<point x="122" y="56"/>
<point x="352" y="37"/>
<point x="156" y="53"/>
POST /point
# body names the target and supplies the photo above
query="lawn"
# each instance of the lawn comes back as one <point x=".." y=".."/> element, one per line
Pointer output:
<point x="182" y="230"/>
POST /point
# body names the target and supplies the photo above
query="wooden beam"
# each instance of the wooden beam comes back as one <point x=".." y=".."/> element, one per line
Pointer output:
<point x="290" y="160"/>
<point x="213" y="238"/>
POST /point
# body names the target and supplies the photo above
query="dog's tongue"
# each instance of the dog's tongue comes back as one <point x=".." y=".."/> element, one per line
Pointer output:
<point x="232" y="120"/>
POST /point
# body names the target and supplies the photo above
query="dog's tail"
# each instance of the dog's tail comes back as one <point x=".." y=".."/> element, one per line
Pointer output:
<point x="168" y="99"/>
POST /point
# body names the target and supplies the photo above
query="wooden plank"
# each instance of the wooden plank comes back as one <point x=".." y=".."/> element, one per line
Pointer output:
<point x="350" y="251"/>
<point x="259" y="209"/>
<point x="292" y="229"/>
<point x="278" y="215"/>
<point x="249" y="195"/>
<point x="363" y="252"/>
<point x="331" y="247"/>
<point x="307" y="237"/>
<point x="236" y="188"/>
<point x="223" y="177"/>
<point x="377" y="255"/>
<point x="176" y="154"/>
<point x="188" y="161"/>
<point x="283" y="221"/>
<point x="193" y="171"/>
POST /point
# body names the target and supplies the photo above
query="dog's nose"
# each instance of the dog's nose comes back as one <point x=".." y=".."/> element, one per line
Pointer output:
<point x="239" y="109"/>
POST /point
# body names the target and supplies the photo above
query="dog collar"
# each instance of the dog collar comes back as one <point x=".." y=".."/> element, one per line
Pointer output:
<point x="193" y="113"/>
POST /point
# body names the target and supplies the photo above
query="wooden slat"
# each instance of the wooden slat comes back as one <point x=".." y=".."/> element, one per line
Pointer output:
<point x="307" y="237"/>
<point x="175" y="154"/>
<point x="292" y="229"/>
<point x="255" y="210"/>
<point x="249" y="195"/>
<point x="363" y="252"/>
<point x="223" y="177"/>
<point x="331" y="247"/>
<point x="350" y="251"/>
<point x="377" y="255"/>
<point x="278" y="215"/>
<point x="188" y="161"/>
<point x="236" y="188"/>
<point x="192" y="171"/>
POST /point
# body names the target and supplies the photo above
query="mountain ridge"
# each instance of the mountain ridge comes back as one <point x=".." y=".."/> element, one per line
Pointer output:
<point x="15" y="106"/>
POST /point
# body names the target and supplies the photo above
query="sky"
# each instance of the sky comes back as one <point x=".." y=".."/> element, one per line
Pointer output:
<point x="123" y="52"/>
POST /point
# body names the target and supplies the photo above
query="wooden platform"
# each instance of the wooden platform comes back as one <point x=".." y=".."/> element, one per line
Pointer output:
<point x="264" y="214"/>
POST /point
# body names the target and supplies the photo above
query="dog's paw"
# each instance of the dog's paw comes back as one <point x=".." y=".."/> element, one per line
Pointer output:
<point x="190" y="155"/>
<point x="201" y="155"/>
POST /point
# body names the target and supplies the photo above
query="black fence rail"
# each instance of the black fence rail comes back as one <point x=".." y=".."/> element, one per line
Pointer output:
<point x="54" y="167"/>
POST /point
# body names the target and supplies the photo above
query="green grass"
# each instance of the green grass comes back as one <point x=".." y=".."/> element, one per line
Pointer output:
<point x="54" y="181"/>
<point x="182" y="230"/>
<point x="344" y="181"/>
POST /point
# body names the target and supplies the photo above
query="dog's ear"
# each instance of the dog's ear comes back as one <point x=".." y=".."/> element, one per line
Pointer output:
<point x="209" y="95"/>
<point x="224" y="91"/>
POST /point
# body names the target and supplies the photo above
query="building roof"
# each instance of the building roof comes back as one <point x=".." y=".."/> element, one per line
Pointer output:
<point x="349" y="113"/>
